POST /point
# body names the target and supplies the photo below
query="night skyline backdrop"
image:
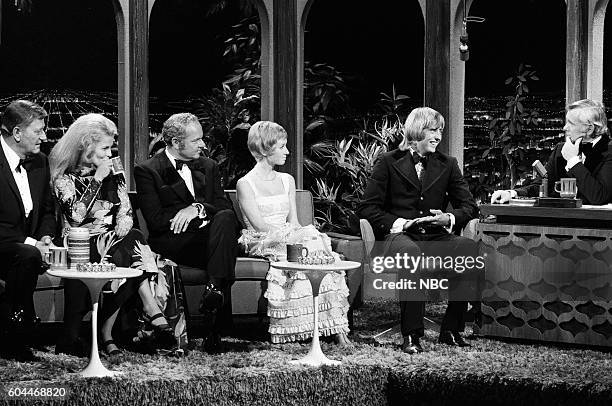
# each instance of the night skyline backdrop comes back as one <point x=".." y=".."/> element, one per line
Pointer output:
<point x="72" y="44"/>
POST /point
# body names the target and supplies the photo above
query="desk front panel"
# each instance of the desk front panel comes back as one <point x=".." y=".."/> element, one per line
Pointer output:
<point x="547" y="283"/>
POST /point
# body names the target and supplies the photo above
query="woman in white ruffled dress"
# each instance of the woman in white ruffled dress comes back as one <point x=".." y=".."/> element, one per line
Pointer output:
<point x="267" y="200"/>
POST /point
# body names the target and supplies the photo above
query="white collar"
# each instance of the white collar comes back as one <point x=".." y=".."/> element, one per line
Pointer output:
<point x="170" y="157"/>
<point x="11" y="156"/>
<point x="595" y="140"/>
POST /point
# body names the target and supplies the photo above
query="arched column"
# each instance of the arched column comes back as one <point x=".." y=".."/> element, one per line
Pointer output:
<point x="121" y="8"/>
<point x="133" y="82"/>
<point x="265" y="12"/>
<point x="287" y="55"/>
<point x="444" y="78"/>
<point x="577" y="50"/>
<point x="139" y="79"/>
<point x="597" y="15"/>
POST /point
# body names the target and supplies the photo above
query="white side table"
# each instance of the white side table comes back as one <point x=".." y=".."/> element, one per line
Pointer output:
<point x="95" y="281"/>
<point x="315" y="274"/>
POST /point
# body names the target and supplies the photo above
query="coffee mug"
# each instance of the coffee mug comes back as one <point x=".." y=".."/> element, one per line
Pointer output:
<point x="117" y="166"/>
<point x="294" y="251"/>
<point x="77" y="242"/>
<point x="58" y="258"/>
<point x="566" y="187"/>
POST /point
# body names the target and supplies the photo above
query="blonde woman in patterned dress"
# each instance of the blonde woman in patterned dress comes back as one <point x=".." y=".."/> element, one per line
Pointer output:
<point x="90" y="196"/>
<point x="267" y="200"/>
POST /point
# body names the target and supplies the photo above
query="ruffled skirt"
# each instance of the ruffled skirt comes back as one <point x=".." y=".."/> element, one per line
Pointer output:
<point x="290" y="305"/>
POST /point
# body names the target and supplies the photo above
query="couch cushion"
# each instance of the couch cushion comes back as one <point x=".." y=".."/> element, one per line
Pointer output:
<point x="191" y="275"/>
<point x="251" y="268"/>
<point x="246" y="268"/>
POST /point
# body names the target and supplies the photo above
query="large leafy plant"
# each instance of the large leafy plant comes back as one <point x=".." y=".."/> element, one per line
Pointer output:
<point x="506" y="133"/>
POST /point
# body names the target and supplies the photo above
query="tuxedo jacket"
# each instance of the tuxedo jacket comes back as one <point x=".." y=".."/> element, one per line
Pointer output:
<point x="593" y="178"/>
<point x="13" y="224"/>
<point x="394" y="191"/>
<point x="162" y="192"/>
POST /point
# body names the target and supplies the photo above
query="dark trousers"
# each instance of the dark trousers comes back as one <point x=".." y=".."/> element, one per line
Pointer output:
<point x="22" y="263"/>
<point x="213" y="247"/>
<point x="462" y="285"/>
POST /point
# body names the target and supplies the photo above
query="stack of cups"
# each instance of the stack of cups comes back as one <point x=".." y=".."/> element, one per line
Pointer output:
<point x="78" y="246"/>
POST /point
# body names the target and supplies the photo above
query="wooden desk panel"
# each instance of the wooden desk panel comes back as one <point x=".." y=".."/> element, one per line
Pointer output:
<point x="547" y="283"/>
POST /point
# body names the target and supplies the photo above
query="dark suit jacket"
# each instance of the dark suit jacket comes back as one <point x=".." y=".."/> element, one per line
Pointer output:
<point x="161" y="192"/>
<point x="594" y="179"/>
<point x="13" y="224"/>
<point x="394" y="191"/>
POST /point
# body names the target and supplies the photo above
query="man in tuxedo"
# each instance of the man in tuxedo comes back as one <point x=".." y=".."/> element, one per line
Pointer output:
<point x="27" y="222"/>
<point x="189" y="219"/>
<point x="585" y="155"/>
<point x="405" y="201"/>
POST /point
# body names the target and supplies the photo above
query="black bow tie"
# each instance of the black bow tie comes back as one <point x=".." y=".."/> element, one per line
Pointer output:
<point x="418" y="158"/>
<point x="180" y="163"/>
<point x="25" y="163"/>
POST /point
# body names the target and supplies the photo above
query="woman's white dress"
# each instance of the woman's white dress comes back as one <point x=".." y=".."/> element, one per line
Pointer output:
<point x="289" y="294"/>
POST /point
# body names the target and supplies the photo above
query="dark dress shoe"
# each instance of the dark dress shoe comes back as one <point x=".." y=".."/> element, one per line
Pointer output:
<point x="212" y="299"/>
<point x="452" y="338"/>
<point x="460" y="340"/>
<point x="412" y="345"/>
<point x="212" y="344"/>
<point x="19" y="353"/>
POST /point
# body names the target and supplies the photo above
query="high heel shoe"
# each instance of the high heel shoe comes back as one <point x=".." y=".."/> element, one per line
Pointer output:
<point x="115" y="351"/>
<point x="164" y="335"/>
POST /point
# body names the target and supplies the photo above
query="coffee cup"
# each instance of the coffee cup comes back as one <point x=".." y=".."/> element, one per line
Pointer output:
<point x="566" y="187"/>
<point x="294" y="251"/>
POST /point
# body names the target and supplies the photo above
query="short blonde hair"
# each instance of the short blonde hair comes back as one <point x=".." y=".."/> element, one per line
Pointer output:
<point x="591" y="112"/>
<point x="417" y="121"/>
<point x="263" y="136"/>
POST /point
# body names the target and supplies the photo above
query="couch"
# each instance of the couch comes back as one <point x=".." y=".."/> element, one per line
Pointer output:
<point x="250" y="283"/>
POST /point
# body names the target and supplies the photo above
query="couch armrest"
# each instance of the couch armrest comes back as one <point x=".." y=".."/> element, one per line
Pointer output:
<point x="353" y="250"/>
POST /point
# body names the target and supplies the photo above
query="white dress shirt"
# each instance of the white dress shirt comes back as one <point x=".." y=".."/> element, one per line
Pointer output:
<point x="185" y="173"/>
<point x="21" y="178"/>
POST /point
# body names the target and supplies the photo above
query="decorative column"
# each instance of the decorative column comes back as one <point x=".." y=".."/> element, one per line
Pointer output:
<point x="139" y="83"/>
<point x="286" y="106"/>
<point x="444" y="77"/>
<point x="597" y="15"/>
<point x="577" y="50"/>
<point x="121" y="8"/>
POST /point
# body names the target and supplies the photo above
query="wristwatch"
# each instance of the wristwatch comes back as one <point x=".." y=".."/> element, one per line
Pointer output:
<point x="200" y="208"/>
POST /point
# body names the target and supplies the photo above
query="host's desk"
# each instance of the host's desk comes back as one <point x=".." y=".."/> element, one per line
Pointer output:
<point x="548" y="273"/>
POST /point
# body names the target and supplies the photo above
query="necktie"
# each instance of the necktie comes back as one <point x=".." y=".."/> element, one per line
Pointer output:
<point x="418" y="158"/>
<point x="419" y="169"/>
<point x="180" y="163"/>
<point x="24" y="163"/>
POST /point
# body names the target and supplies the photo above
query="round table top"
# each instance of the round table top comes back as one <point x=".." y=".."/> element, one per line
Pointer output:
<point x="118" y="273"/>
<point x="336" y="266"/>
